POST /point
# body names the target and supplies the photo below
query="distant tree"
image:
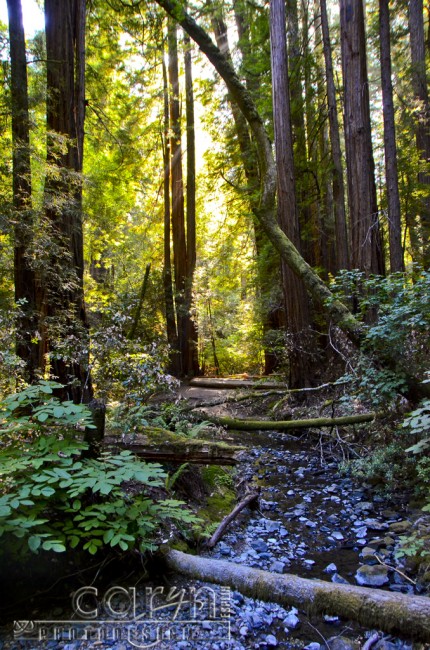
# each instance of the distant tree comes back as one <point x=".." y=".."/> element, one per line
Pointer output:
<point x="366" y="245"/>
<point x="27" y="346"/>
<point x="342" y="248"/>
<point x="420" y="88"/>
<point x="390" y="147"/>
<point x="294" y="291"/>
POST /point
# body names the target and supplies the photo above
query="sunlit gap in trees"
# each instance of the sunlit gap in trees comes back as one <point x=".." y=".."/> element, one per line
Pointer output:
<point x="33" y="16"/>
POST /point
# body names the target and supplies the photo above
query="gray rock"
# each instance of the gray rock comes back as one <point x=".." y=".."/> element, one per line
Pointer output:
<point x="339" y="580"/>
<point x="372" y="575"/>
<point x="271" y="526"/>
<point x="259" y="545"/>
<point x="312" y="646"/>
<point x="330" y="568"/>
<point x="277" y="567"/>
<point x="271" y="640"/>
<point x="361" y="532"/>
<point x="337" y="535"/>
<point x="374" y="524"/>
<point x="400" y="527"/>
<point x="368" y="555"/>
<point x="341" y="643"/>
<point x="291" y="621"/>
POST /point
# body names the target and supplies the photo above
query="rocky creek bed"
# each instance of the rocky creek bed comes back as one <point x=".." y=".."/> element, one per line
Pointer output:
<point x="311" y="521"/>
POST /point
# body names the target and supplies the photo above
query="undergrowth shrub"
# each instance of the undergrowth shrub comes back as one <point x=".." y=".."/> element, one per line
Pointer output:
<point x="53" y="498"/>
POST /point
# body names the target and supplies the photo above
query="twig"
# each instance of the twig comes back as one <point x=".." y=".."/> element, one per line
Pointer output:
<point x="252" y="496"/>
<point x="389" y="566"/>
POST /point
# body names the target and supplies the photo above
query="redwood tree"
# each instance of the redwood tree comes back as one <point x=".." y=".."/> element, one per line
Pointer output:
<point x="366" y="246"/>
<point x="62" y="301"/>
<point x="27" y="346"/>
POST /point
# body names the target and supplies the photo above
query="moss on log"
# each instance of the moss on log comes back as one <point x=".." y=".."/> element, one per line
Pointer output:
<point x="290" y="425"/>
<point x="387" y="611"/>
<point x="157" y="444"/>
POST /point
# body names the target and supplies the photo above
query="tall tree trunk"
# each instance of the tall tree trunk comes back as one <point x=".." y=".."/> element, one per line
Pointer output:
<point x="342" y="249"/>
<point x="27" y="346"/>
<point x="171" y="331"/>
<point x="366" y="245"/>
<point x="266" y="211"/>
<point x="272" y="315"/>
<point x="63" y="298"/>
<point x="391" y="175"/>
<point x="294" y="290"/>
<point x="192" y="334"/>
<point x="420" y="88"/>
<point x="180" y="263"/>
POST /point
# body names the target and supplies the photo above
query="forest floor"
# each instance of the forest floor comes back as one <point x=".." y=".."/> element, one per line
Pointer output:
<point x="312" y="520"/>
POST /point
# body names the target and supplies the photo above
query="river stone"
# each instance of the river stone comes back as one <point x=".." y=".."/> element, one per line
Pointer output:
<point x="260" y="546"/>
<point x="372" y="575"/>
<point x="271" y="640"/>
<point x="271" y="526"/>
<point x="342" y="643"/>
<point x="374" y="524"/>
<point x="277" y="567"/>
<point x="361" y="532"/>
<point x="337" y="535"/>
<point x="313" y="646"/>
<point x="339" y="580"/>
<point x="368" y="555"/>
<point x="399" y="527"/>
<point x="330" y="568"/>
<point x="291" y="621"/>
<point x="364" y="506"/>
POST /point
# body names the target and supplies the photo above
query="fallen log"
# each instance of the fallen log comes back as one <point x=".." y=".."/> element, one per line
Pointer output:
<point x="159" y="445"/>
<point x="246" y="501"/>
<point x="287" y="425"/>
<point x="393" y="613"/>
<point x="219" y="383"/>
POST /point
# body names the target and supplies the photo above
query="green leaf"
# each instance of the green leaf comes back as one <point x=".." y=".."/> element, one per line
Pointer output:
<point x="5" y="511"/>
<point x="42" y="417"/>
<point x="34" y="542"/>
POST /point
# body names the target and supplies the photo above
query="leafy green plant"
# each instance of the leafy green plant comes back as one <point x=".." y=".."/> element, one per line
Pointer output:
<point x="418" y="423"/>
<point x="52" y="497"/>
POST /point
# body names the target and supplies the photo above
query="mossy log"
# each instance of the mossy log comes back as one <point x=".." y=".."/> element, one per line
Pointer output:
<point x="393" y="613"/>
<point x="290" y="425"/>
<point x="157" y="444"/>
<point x="220" y="383"/>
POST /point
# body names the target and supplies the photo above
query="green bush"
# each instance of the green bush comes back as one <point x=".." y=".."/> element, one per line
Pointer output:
<point x="52" y="498"/>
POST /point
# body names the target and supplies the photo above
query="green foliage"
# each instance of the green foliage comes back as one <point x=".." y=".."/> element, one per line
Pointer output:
<point x="387" y="467"/>
<point x="35" y="410"/>
<point x="400" y="309"/>
<point x="52" y="497"/>
<point x="414" y="546"/>
<point x="418" y="423"/>
<point x="129" y="419"/>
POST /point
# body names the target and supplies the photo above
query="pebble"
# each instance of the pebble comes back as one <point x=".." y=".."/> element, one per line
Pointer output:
<point x="330" y="568"/>
<point x="271" y="640"/>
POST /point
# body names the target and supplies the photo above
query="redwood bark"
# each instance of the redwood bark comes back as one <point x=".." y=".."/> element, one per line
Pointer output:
<point x="420" y="88"/>
<point x="63" y="298"/>
<point x="295" y="296"/>
<point x="366" y="245"/>
<point x="342" y="249"/>
<point x="27" y="346"/>
<point x="390" y="147"/>
<point x="180" y="263"/>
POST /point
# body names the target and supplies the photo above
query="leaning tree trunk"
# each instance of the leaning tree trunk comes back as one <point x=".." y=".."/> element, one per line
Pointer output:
<point x="27" y="345"/>
<point x="391" y="612"/>
<point x="266" y="210"/>
<point x="391" y="175"/>
<point x="268" y="267"/>
<point x="65" y="327"/>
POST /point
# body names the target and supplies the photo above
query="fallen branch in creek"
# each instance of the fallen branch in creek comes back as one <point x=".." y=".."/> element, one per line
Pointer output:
<point x="246" y="501"/>
<point x="373" y="608"/>
<point x="285" y="425"/>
